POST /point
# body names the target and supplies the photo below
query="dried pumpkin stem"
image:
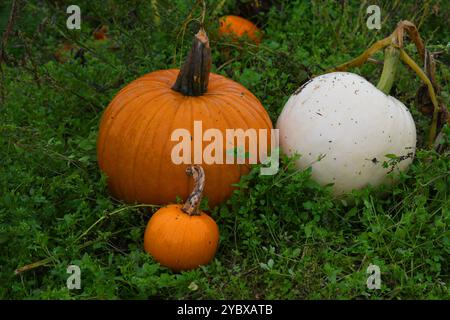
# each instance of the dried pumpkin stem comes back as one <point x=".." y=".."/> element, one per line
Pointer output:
<point x="193" y="201"/>
<point x="413" y="65"/>
<point x="413" y="34"/>
<point x="194" y="75"/>
<point x="396" y="39"/>
<point x="362" y="58"/>
<point x="393" y="53"/>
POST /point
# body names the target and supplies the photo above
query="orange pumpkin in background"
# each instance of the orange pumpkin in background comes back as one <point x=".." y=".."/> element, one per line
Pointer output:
<point x="101" y="33"/>
<point x="238" y="27"/>
<point x="134" y="145"/>
<point x="181" y="237"/>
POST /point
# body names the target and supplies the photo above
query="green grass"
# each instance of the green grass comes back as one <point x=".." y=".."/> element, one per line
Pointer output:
<point x="282" y="236"/>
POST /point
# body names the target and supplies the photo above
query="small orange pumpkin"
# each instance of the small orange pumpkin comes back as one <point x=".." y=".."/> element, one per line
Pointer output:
<point x="238" y="27"/>
<point x="182" y="237"/>
<point x="134" y="145"/>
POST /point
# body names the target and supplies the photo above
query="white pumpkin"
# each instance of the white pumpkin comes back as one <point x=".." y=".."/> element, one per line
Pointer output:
<point x="346" y="121"/>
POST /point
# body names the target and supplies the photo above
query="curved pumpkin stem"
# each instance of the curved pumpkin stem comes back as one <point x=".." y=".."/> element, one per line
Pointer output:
<point x="194" y="75"/>
<point x="193" y="201"/>
<point x="393" y="53"/>
<point x="412" y="64"/>
<point x="394" y="39"/>
<point x="391" y="61"/>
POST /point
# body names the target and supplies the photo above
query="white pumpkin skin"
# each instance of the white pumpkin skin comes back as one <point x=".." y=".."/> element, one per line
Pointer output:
<point x="353" y="125"/>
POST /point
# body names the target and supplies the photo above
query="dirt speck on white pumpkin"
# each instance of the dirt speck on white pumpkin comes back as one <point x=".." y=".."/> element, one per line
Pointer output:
<point x="364" y="122"/>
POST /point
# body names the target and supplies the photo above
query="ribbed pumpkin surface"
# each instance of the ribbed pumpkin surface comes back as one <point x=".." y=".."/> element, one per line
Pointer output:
<point x="134" y="144"/>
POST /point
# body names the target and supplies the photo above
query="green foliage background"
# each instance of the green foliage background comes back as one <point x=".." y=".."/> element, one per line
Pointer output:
<point x="282" y="236"/>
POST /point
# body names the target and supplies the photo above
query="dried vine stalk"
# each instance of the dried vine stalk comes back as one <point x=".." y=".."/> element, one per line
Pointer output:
<point x="396" y="40"/>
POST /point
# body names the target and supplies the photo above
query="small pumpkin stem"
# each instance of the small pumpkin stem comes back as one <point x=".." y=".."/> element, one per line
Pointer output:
<point x="194" y="75"/>
<point x="193" y="201"/>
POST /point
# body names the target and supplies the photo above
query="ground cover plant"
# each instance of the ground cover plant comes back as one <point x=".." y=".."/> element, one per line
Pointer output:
<point x="282" y="236"/>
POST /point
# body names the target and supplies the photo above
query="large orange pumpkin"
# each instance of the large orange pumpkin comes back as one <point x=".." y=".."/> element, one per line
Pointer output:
<point x="182" y="237"/>
<point x="134" y="144"/>
<point x="238" y="27"/>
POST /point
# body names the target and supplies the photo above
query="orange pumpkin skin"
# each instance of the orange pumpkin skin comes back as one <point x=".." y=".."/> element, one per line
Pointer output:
<point x="238" y="27"/>
<point x="180" y="241"/>
<point x="134" y="143"/>
<point x="100" y="34"/>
